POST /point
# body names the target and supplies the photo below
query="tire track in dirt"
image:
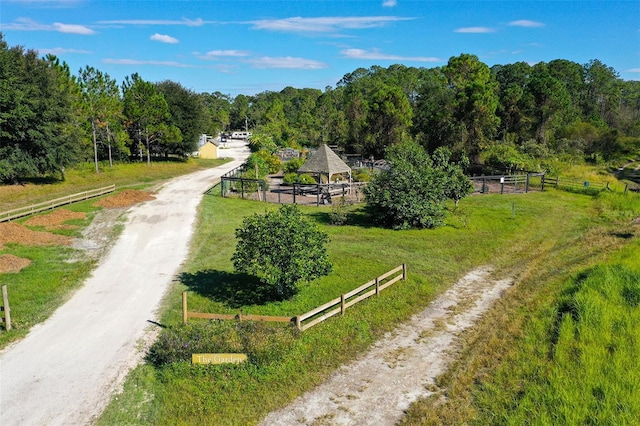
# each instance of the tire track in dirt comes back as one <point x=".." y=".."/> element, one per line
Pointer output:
<point x="402" y="366"/>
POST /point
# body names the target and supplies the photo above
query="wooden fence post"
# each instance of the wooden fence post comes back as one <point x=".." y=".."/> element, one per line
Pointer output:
<point x="298" y="323"/>
<point x="342" y="308"/>
<point x="6" y="308"/>
<point x="185" y="314"/>
<point x="404" y="271"/>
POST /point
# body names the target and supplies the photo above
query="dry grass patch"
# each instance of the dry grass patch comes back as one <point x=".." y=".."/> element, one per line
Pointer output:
<point x="11" y="264"/>
<point x="125" y="198"/>
<point x="13" y="233"/>
<point x="56" y="219"/>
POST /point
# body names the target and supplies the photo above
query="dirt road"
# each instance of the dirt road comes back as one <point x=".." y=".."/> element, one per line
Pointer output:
<point x="401" y="367"/>
<point x="65" y="370"/>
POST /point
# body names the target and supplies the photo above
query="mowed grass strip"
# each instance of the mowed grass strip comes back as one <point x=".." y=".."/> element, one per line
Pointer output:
<point x="483" y="230"/>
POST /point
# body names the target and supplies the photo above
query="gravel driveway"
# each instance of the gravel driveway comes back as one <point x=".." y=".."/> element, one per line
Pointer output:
<point x="66" y="369"/>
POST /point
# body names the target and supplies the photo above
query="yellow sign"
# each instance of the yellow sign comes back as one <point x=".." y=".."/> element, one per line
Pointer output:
<point x="218" y="358"/>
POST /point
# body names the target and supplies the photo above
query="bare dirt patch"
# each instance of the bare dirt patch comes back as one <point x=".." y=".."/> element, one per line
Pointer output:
<point x="11" y="264"/>
<point x="13" y="233"/>
<point x="402" y="366"/>
<point x="126" y="198"/>
<point x="56" y="219"/>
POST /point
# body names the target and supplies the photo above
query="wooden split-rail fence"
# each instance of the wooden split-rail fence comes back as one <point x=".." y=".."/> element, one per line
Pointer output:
<point x="51" y="204"/>
<point x="319" y="314"/>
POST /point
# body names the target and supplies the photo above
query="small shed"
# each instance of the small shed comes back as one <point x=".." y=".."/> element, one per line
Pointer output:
<point x="209" y="151"/>
<point x="325" y="162"/>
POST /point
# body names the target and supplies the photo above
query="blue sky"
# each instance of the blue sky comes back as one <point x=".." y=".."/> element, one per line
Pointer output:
<point x="248" y="46"/>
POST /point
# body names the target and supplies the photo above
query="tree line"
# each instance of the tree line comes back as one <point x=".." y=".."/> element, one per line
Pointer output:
<point x="509" y="116"/>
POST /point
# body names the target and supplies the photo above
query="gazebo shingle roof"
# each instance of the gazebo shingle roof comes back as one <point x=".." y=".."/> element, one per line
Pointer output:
<point x="324" y="161"/>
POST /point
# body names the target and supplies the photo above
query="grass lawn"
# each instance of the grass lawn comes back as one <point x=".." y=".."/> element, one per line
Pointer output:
<point x="551" y="236"/>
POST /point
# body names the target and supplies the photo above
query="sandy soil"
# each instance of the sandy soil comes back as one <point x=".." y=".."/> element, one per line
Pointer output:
<point x="401" y="367"/>
<point x="66" y="369"/>
<point x="11" y="264"/>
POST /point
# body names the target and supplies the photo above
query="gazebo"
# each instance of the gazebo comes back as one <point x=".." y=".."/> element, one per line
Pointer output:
<point x="325" y="162"/>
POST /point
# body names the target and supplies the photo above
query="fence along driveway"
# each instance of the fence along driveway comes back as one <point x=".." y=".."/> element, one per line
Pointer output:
<point x="51" y="204"/>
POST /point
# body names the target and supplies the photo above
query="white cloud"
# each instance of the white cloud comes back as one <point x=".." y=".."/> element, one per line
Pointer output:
<point x="324" y="24"/>
<point x="62" y="51"/>
<point x="634" y="70"/>
<point x="526" y="23"/>
<point x="164" y="38"/>
<point x="26" y="24"/>
<point x="184" y="21"/>
<point x="377" y="55"/>
<point x="389" y="3"/>
<point x="288" y="62"/>
<point x="218" y="54"/>
<point x="73" y="29"/>
<point x="475" y="30"/>
<point x="140" y="62"/>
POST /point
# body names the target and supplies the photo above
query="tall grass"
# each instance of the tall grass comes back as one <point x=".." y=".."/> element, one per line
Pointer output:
<point x="482" y="230"/>
<point x="559" y="348"/>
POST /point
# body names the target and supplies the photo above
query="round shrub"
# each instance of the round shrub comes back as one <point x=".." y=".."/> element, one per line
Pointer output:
<point x="293" y="165"/>
<point x="290" y="178"/>
<point x="306" y="179"/>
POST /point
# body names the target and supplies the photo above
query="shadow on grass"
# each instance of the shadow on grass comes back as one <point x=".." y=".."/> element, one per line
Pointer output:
<point x="235" y="290"/>
<point x="357" y="217"/>
<point x="43" y="180"/>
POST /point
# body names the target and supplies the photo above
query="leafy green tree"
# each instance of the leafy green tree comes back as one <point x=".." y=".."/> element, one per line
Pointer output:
<point x="39" y="118"/>
<point x="457" y="184"/>
<point x="602" y="92"/>
<point x="629" y="115"/>
<point x="389" y="118"/>
<point x="275" y="123"/>
<point x="147" y="118"/>
<point x="187" y="112"/>
<point x="239" y="112"/>
<point x="331" y="117"/>
<point x="475" y="101"/>
<point x="282" y="249"/>
<point x="411" y="194"/>
<point x="434" y="123"/>
<point x="513" y="108"/>
<point x="260" y="141"/>
<point x="551" y="103"/>
<point x="101" y="96"/>
<point x="219" y="110"/>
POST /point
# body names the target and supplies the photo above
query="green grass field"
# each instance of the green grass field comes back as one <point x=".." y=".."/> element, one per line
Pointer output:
<point x="542" y="355"/>
<point x="553" y="236"/>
